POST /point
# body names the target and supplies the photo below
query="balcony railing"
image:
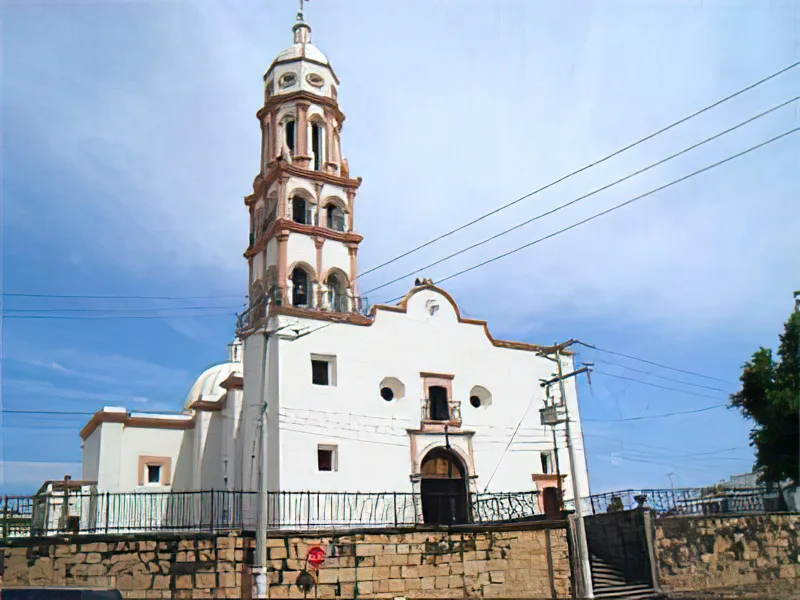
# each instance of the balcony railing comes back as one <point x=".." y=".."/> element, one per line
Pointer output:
<point x="230" y="510"/>
<point x="428" y="412"/>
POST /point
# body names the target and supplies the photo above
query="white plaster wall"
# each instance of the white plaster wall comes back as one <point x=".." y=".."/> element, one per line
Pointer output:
<point x="272" y="252"/>
<point x="139" y="441"/>
<point x="370" y="433"/>
<point x="258" y="266"/>
<point x="335" y="254"/>
<point x="90" y="456"/>
<point x="108" y="475"/>
<point x="300" y="247"/>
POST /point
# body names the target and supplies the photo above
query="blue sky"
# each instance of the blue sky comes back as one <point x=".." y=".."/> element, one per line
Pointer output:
<point x="129" y="140"/>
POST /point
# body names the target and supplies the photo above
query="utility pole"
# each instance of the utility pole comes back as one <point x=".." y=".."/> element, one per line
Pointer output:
<point x="262" y="516"/>
<point x="583" y="546"/>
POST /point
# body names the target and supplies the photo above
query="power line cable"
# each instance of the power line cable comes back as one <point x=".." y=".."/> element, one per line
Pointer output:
<point x="651" y="374"/>
<point x="115" y="310"/>
<point x="582" y="169"/>
<point x="106" y="317"/>
<point x="613" y="208"/>
<point x="119" y="296"/>
<point x="650" y="362"/>
<point x="663" y="387"/>
<point x="585" y="196"/>
<point x="661" y="416"/>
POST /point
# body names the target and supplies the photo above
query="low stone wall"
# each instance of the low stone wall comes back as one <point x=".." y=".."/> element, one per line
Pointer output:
<point x="142" y="566"/>
<point x="747" y="552"/>
<point x="524" y="561"/>
<point x="529" y="562"/>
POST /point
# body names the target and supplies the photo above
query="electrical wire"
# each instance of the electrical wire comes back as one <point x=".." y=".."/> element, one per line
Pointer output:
<point x="115" y="310"/>
<point x="582" y="169"/>
<point x="651" y="374"/>
<point x="661" y="416"/>
<point x="663" y="387"/>
<point x="118" y="296"/>
<point x="581" y="198"/>
<point x="650" y="362"/>
<point x="614" y="208"/>
<point x="106" y="317"/>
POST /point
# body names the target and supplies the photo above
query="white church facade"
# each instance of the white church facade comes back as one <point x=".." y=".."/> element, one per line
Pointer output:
<point x="321" y="395"/>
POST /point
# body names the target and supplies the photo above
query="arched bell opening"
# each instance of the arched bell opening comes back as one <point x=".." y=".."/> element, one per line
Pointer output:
<point x="444" y="488"/>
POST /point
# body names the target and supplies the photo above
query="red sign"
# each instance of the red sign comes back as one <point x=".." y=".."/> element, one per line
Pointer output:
<point x="316" y="556"/>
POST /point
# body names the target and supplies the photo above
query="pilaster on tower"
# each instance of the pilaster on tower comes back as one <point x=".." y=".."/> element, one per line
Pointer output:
<point x="303" y="246"/>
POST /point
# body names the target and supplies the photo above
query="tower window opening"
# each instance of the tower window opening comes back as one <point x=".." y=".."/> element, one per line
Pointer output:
<point x="301" y="293"/>
<point x="316" y="145"/>
<point x="266" y="145"/>
<point x="289" y="129"/>
<point x="336" y="218"/>
<point x="301" y="211"/>
<point x="337" y="295"/>
<point x="439" y="409"/>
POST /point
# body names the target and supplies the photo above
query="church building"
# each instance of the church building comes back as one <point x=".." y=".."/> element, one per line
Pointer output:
<point x="322" y="394"/>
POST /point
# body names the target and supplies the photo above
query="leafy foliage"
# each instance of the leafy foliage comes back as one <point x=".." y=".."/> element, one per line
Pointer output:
<point x="770" y="396"/>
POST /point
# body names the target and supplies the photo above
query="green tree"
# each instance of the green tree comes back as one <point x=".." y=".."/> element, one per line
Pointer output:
<point x="770" y="396"/>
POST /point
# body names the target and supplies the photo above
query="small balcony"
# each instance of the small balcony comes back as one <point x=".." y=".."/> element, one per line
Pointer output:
<point x="438" y="411"/>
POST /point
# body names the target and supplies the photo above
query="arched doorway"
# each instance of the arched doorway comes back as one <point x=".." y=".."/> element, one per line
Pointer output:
<point x="444" y="488"/>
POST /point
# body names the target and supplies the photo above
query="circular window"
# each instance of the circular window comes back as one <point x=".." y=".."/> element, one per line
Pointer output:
<point x="480" y="397"/>
<point x="315" y="80"/>
<point x="287" y="79"/>
<point x="391" y="388"/>
<point x="475" y="401"/>
<point x="387" y="394"/>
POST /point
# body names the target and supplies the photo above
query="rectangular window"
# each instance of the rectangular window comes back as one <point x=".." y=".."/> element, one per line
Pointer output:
<point x="323" y="370"/>
<point x="154" y="474"/>
<point x="439" y="407"/>
<point x="327" y="458"/>
<point x="547" y="462"/>
<point x="290" y="135"/>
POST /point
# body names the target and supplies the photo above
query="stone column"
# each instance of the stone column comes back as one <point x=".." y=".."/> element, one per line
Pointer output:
<point x="351" y="197"/>
<point x="352" y="250"/>
<point x="282" y="238"/>
<point x="283" y="201"/>
<point x="318" y="243"/>
<point x="301" y="156"/>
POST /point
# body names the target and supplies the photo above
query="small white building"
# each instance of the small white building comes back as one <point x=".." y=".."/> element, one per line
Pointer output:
<point x="411" y="399"/>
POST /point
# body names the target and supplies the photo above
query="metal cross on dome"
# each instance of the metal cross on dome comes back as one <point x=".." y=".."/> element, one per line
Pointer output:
<point x="300" y="9"/>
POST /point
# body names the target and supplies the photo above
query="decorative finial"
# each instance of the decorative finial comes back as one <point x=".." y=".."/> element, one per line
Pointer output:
<point x="302" y="32"/>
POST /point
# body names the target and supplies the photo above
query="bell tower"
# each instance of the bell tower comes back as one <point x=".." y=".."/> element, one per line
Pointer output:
<point x="303" y="247"/>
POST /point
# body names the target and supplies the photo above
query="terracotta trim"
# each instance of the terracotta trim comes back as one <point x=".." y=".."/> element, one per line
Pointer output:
<point x="165" y="462"/>
<point x="402" y="307"/>
<point x="302" y="95"/>
<point x="210" y="405"/>
<point x="287" y="61"/>
<point x="319" y="315"/>
<point x="301" y="135"/>
<point x="546" y="477"/>
<point x="278" y="168"/>
<point x="130" y="421"/>
<point x="233" y="382"/>
<point x="285" y="226"/>
<point x="426" y="375"/>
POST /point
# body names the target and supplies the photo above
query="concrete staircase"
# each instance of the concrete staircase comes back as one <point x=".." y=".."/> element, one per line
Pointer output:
<point x="610" y="582"/>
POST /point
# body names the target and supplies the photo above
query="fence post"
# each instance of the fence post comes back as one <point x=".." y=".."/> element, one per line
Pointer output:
<point x="108" y="508"/>
<point x="5" y="517"/>
<point x="211" y="513"/>
<point x="394" y="494"/>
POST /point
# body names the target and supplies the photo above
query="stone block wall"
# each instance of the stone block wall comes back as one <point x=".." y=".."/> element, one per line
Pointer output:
<point x="523" y="561"/>
<point x="530" y="562"/>
<point x="143" y="566"/>
<point x="729" y="552"/>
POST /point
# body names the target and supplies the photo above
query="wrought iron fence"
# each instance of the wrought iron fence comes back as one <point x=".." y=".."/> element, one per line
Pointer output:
<point x="692" y="501"/>
<point x="91" y="513"/>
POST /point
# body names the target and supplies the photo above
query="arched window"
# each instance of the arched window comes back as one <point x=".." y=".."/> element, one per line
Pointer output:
<point x="317" y="145"/>
<point x="301" y="211"/>
<point x="288" y="128"/>
<point x="337" y="293"/>
<point x="301" y="288"/>
<point x="335" y="217"/>
<point x="444" y="490"/>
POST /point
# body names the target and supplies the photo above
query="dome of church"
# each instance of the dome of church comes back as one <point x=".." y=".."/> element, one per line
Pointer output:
<point x="301" y="50"/>
<point x="208" y="385"/>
